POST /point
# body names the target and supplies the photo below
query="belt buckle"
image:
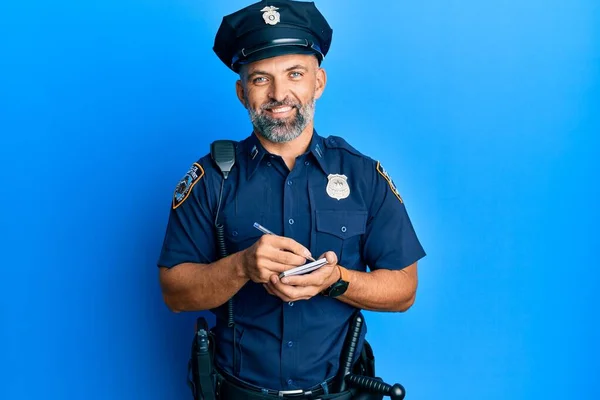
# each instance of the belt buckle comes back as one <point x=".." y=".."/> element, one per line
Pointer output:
<point x="290" y="393"/>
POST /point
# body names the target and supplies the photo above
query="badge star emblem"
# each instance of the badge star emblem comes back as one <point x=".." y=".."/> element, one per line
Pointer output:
<point x="337" y="186"/>
<point x="270" y="15"/>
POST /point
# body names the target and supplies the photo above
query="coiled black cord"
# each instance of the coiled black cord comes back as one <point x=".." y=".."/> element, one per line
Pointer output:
<point x="222" y="254"/>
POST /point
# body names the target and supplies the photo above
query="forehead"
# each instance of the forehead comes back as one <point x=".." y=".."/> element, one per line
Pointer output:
<point x="282" y="63"/>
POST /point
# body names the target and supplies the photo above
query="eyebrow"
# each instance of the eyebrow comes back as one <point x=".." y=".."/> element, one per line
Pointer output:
<point x="261" y="72"/>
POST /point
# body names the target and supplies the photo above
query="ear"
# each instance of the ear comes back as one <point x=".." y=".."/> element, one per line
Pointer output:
<point x="239" y="90"/>
<point x="320" y="82"/>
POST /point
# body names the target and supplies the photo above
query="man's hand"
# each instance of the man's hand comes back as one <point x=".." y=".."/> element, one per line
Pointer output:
<point x="303" y="287"/>
<point x="271" y="255"/>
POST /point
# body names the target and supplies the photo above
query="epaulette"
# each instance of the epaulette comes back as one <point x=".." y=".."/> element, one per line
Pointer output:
<point x="336" y="142"/>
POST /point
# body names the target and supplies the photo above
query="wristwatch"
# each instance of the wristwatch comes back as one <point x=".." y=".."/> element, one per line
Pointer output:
<point x="339" y="287"/>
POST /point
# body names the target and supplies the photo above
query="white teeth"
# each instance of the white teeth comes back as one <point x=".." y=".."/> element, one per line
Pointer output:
<point x="280" y="109"/>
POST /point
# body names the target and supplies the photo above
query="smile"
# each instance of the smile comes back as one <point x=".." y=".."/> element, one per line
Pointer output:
<point x="280" y="110"/>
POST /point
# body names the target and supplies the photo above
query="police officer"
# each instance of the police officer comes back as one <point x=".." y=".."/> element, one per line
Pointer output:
<point x="318" y="195"/>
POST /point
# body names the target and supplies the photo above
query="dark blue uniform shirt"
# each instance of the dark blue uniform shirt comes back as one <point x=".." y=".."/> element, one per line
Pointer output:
<point x="282" y="345"/>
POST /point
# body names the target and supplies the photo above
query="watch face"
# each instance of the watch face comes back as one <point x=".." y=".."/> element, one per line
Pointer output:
<point x="338" y="288"/>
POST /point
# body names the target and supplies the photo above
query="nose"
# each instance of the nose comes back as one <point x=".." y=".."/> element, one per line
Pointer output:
<point x="279" y="90"/>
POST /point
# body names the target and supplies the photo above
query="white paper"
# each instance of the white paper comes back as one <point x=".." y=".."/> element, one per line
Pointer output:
<point x="304" y="269"/>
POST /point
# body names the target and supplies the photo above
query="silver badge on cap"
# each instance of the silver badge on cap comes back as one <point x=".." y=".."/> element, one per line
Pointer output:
<point x="337" y="187"/>
<point x="270" y="15"/>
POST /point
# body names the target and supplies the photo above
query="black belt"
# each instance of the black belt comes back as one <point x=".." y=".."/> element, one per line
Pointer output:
<point x="231" y="387"/>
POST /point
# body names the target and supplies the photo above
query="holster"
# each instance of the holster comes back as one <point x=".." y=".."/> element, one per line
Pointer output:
<point x="201" y="372"/>
<point x="365" y="366"/>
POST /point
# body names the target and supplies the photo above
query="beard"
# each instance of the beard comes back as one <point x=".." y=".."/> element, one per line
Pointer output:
<point x="282" y="130"/>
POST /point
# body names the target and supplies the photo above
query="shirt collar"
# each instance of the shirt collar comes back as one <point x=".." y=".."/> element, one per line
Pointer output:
<point x="318" y="150"/>
<point x="255" y="152"/>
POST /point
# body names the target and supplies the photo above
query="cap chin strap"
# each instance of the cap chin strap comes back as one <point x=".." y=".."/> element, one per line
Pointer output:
<point x="245" y="53"/>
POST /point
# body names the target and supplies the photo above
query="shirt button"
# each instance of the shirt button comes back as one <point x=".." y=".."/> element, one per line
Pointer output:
<point x="291" y="221"/>
<point x="291" y="304"/>
<point x="290" y="343"/>
<point x="269" y="163"/>
<point x="343" y="229"/>
<point x="289" y="382"/>
<point x="234" y="233"/>
<point x="306" y="163"/>
<point x="289" y="183"/>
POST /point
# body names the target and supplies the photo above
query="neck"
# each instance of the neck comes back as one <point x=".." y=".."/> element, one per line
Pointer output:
<point x="289" y="150"/>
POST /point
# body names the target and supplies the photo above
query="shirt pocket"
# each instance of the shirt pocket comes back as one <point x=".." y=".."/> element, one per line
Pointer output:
<point x="240" y="234"/>
<point x="341" y="231"/>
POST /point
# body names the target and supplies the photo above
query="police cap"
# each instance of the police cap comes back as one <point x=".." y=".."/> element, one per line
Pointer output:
<point x="269" y="29"/>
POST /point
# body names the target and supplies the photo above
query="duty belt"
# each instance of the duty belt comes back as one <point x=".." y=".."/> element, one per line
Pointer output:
<point x="233" y="383"/>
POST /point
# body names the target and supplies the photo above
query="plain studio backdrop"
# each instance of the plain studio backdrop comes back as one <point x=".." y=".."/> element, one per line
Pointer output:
<point x="485" y="114"/>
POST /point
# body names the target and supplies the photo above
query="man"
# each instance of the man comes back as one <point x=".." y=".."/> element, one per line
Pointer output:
<point x="319" y="196"/>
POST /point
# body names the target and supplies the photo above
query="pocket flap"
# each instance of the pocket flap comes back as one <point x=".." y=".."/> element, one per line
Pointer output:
<point x="342" y="224"/>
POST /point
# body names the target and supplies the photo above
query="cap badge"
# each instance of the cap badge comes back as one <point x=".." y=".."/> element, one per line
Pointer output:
<point x="270" y="15"/>
<point x="337" y="187"/>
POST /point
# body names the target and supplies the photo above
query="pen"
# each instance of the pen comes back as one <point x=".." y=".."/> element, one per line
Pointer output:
<point x="268" y="232"/>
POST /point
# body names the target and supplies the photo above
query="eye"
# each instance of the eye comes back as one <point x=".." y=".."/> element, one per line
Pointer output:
<point x="296" y="75"/>
<point x="259" y="80"/>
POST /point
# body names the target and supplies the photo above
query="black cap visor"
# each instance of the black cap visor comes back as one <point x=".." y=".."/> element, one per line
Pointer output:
<point x="275" y="42"/>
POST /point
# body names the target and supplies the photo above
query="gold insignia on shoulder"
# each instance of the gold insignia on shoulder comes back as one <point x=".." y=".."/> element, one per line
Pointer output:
<point x="389" y="180"/>
<point x="184" y="187"/>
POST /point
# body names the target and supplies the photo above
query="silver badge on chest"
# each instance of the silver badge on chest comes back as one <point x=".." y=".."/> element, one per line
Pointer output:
<point x="337" y="187"/>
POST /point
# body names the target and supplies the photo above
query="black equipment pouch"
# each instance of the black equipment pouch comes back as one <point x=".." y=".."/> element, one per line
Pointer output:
<point x="201" y="374"/>
<point x="366" y="364"/>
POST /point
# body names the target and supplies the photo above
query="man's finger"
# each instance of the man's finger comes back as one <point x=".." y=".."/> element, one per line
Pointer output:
<point x="315" y="278"/>
<point x="330" y="256"/>
<point x="276" y="292"/>
<point x="292" y="293"/>
<point x="291" y="245"/>
<point x="275" y="267"/>
<point x="286" y="257"/>
<point x="268" y="289"/>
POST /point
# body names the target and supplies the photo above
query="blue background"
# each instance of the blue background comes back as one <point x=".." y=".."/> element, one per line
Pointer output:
<point x="485" y="113"/>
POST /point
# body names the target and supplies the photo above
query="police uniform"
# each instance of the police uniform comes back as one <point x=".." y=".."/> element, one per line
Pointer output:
<point x="334" y="199"/>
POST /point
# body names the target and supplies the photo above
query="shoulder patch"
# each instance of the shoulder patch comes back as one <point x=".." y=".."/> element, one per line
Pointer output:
<point x="184" y="187"/>
<point x="389" y="180"/>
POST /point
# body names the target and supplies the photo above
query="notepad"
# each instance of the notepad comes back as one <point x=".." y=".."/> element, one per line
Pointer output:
<point x="304" y="269"/>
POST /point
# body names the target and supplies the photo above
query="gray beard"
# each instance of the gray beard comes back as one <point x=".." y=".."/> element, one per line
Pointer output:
<point x="278" y="130"/>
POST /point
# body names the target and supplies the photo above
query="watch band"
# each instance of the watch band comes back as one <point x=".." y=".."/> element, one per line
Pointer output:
<point x="340" y="286"/>
<point x="343" y="273"/>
